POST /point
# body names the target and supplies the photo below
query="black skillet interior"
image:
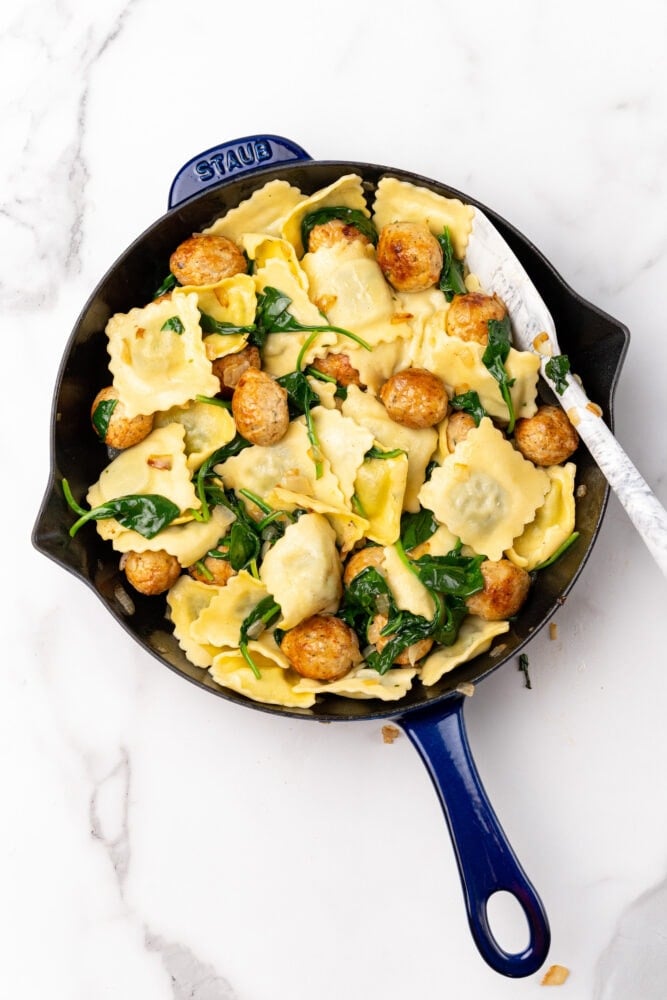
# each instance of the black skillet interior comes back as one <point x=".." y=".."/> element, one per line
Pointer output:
<point x="595" y="343"/>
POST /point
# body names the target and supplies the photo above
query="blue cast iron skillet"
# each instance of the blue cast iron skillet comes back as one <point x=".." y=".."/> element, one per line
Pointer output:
<point x="205" y="188"/>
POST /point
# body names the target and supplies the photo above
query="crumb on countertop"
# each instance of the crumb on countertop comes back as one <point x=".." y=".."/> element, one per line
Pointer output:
<point x="555" y="976"/>
<point x="553" y="630"/>
<point x="390" y="733"/>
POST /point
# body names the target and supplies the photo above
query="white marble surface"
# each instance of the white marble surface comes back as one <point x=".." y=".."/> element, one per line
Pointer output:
<point x="161" y="843"/>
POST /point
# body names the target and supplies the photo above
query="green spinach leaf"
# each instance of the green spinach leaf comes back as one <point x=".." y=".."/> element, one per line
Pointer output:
<point x="300" y="398"/>
<point x="173" y="323"/>
<point x="262" y="615"/>
<point x="494" y="358"/>
<point x="378" y="453"/>
<point x="206" y="480"/>
<point x="469" y="402"/>
<point x="210" y="325"/>
<point x="273" y="316"/>
<point x="453" y="574"/>
<point x="102" y="416"/>
<point x="451" y="276"/>
<point x="146" y="513"/>
<point x="350" y="216"/>
<point x="167" y="285"/>
<point x="417" y="528"/>
<point x="557" y="369"/>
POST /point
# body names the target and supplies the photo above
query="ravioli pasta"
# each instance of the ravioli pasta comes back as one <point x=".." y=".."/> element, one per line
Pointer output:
<point x="357" y="516"/>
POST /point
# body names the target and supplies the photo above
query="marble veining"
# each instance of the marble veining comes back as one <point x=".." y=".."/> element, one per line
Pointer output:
<point x="109" y="815"/>
<point x="190" y="978"/>
<point x="162" y="843"/>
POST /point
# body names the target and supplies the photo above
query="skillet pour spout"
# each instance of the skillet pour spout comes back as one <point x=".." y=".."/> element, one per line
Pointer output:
<point x="206" y="187"/>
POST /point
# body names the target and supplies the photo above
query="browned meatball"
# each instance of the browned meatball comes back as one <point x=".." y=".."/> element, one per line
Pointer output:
<point x="408" y="656"/>
<point x="458" y="427"/>
<point x="229" y="369"/>
<point x="468" y="316"/>
<point x="334" y="233"/>
<point x="259" y="407"/>
<point x="111" y="424"/>
<point x="205" y="259"/>
<point x="547" y="438"/>
<point x="415" y="398"/>
<point x="322" y="647"/>
<point x="506" y="587"/>
<point x="370" y="555"/>
<point x="409" y="255"/>
<point x="216" y="571"/>
<point x="151" y="572"/>
<point x="338" y="366"/>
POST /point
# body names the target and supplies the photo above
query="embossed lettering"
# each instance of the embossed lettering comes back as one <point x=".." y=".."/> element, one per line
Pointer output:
<point x="246" y="155"/>
<point x="219" y="162"/>
<point x="233" y="161"/>
<point x="204" y="170"/>
<point x="263" y="150"/>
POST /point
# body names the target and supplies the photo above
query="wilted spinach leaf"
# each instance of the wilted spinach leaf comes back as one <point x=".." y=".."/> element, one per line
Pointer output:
<point x="102" y="415"/>
<point x="469" y="402"/>
<point x="451" y="276"/>
<point x="494" y="358"/>
<point x="350" y="216"/>
<point x="557" y="368"/>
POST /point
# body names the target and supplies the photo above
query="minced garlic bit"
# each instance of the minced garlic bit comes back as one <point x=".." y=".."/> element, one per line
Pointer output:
<point x="326" y="302"/>
<point x="159" y="462"/>
<point x="573" y="416"/>
<point x="542" y="345"/>
<point x="498" y="650"/>
<point x="553" y="630"/>
<point x="401" y="318"/>
<point x="390" y="733"/>
<point x="466" y="688"/>
<point x="555" y="976"/>
<point x="594" y="408"/>
<point x="581" y="490"/>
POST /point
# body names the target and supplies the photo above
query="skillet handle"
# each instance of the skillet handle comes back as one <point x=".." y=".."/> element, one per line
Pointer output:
<point x="486" y="861"/>
<point x="230" y="159"/>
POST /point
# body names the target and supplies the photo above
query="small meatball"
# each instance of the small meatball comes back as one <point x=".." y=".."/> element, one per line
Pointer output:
<point x="216" y="571"/>
<point x="259" y="407"/>
<point x="338" y="366"/>
<point x="205" y="259"/>
<point x="229" y="369"/>
<point x="322" y="647"/>
<point x="334" y="233"/>
<point x="407" y="657"/>
<point x="458" y="427"/>
<point x="121" y="431"/>
<point x="506" y="587"/>
<point x="468" y="316"/>
<point x="371" y="555"/>
<point x="415" y="398"/>
<point x="547" y="438"/>
<point x="151" y="572"/>
<point x="410" y="256"/>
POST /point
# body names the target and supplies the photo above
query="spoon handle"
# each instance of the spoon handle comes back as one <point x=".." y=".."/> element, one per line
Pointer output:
<point x="642" y="506"/>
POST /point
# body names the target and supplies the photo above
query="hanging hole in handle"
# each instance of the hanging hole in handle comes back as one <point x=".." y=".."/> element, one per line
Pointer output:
<point x="508" y="922"/>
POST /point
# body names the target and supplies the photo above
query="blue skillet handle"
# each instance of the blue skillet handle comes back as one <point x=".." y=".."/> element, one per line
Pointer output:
<point x="229" y="160"/>
<point x="486" y="861"/>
